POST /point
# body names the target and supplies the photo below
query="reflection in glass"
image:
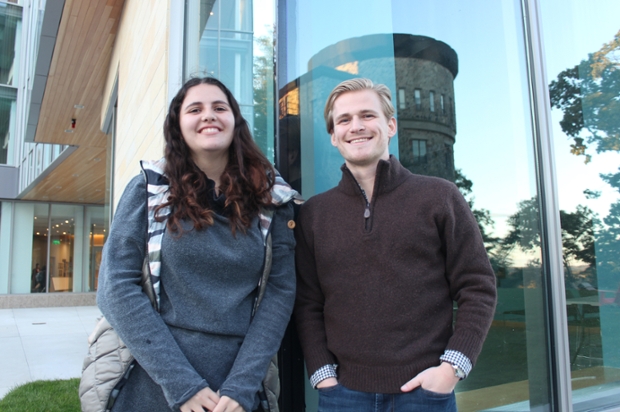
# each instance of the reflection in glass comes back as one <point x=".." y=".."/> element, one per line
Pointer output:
<point x="233" y="41"/>
<point x="62" y="243"/>
<point x="7" y="124"/>
<point x="10" y="27"/>
<point x="437" y="54"/>
<point x="584" y="89"/>
<point x="40" y="230"/>
<point x="96" y="235"/>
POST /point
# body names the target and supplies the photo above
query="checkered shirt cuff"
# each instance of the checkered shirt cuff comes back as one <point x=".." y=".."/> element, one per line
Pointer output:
<point x="457" y="358"/>
<point x="324" y="372"/>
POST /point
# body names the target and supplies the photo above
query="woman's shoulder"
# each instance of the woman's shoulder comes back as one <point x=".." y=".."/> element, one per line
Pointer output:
<point x="133" y="198"/>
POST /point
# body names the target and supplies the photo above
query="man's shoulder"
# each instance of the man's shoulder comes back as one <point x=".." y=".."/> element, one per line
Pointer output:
<point x="430" y="184"/>
<point x="331" y="195"/>
<point x="321" y="203"/>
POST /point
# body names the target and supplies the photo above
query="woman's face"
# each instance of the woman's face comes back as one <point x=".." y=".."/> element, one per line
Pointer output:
<point x="207" y="121"/>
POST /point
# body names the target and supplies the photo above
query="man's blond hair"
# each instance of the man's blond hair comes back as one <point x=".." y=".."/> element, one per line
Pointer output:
<point x="354" y="85"/>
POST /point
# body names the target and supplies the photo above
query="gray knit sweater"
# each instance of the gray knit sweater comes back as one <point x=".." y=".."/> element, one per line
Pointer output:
<point x="203" y="335"/>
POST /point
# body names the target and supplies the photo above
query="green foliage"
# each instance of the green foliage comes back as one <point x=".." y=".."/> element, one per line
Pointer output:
<point x="43" y="396"/>
<point x="580" y="232"/>
<point x="497" y="255"/>
<point x="588" y="94"/>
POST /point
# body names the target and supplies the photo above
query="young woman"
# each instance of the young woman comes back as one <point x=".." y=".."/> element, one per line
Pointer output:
<point x="204" y="350"/>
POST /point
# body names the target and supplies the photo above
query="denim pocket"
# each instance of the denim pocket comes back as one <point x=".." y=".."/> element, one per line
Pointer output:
<point x="434" y="395"/>
<point x="329" y="388"/>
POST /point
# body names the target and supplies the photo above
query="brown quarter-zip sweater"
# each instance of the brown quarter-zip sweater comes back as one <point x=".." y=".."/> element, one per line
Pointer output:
<point x="375" y="294"/>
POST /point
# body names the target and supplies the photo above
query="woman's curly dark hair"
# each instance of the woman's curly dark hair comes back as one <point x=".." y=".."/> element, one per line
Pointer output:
<point x="246" y="181"/>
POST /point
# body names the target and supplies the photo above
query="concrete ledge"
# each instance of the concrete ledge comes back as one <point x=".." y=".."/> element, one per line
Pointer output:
<point x="47" y="300"/>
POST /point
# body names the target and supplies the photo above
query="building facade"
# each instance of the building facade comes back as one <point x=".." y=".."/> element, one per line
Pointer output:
<point x="514" y="101"/>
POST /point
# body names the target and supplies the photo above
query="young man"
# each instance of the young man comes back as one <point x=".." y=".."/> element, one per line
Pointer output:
<point x="380" y="260"/>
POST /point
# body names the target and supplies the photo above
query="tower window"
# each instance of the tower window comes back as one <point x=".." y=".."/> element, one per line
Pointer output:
<point x="402" y="103"/>
<point x="432" y="100"/>
<point x="419" y="151"/>
<point x="417" y="94"/>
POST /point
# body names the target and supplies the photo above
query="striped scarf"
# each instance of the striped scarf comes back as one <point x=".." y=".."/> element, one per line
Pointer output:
<point x="157" y="186"/>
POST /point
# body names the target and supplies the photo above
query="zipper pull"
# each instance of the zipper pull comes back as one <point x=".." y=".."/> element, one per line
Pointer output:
<point x="367" y="211"/>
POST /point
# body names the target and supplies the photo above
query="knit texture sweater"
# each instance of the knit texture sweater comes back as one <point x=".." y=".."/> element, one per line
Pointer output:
<point x="375" y="295"/>
<point x="204" y="334"/>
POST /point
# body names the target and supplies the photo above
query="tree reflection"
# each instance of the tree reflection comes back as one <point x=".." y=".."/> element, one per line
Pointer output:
<point x="589" y="97"/>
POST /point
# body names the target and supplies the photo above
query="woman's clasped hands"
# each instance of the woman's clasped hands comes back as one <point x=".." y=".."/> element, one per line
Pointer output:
<point x="207" y="400"/>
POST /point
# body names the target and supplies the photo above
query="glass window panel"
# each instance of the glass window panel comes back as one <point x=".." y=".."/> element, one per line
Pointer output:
<point x="418" y="98"/>
<point x="233" y="41"/>
<point x="95" y="224"/>
<point x="402" y="103"/>
<point x="10" y="27"/>
<point x="583" y="69"/>
<point x="66" y="221"/>
<point x="495" y="171"/>
<point x="7" y="123"/>
<point x="38" y="280"/>
<point x="431" y="101"/>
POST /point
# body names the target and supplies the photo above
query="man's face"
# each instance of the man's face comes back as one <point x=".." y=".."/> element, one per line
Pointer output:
<point x="361" y="130"/>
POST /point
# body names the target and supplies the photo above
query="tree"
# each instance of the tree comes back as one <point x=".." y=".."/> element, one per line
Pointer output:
<point x="588" y="94"/>
<point x="499" y="260"/>
<point x="578" y="235"/>
<point x="262" y="83"/>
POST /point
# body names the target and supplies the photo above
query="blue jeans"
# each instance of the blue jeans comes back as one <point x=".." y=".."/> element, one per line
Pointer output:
<point x="340" y="399"/>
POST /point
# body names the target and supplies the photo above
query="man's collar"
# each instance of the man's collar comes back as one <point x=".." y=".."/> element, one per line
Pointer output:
<point x="389" y="175"/>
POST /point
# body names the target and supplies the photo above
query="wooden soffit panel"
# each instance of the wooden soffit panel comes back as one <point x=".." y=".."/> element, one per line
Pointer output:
<point x="80" y="178"/>
<point x="74" y="90"/>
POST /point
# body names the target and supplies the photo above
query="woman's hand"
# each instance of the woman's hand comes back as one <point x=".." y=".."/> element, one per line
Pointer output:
<point x="205" y="399"/>
<point x="227" y="404"/>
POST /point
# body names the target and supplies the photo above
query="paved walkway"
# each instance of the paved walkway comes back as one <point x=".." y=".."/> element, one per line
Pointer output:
<point x="43" y="343"/>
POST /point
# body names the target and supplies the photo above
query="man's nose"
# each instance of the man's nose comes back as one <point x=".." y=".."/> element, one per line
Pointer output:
<point x="357" y="124"/>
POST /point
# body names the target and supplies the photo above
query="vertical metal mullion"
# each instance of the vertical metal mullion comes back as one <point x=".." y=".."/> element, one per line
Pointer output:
<point x="219" y="39"/>
<point x="48" y="269"/>
<point x="11" y="230"/>
<point x="551" y="228"/>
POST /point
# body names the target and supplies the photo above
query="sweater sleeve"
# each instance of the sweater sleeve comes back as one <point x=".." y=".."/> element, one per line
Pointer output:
<point x="470" y="276"/>
<point x="267" y="328"/>
<point x="310" y="300"/>
<point x="129" y="310"/>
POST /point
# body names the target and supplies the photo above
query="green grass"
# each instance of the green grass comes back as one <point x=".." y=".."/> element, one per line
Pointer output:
<point x="43" y="396"/>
